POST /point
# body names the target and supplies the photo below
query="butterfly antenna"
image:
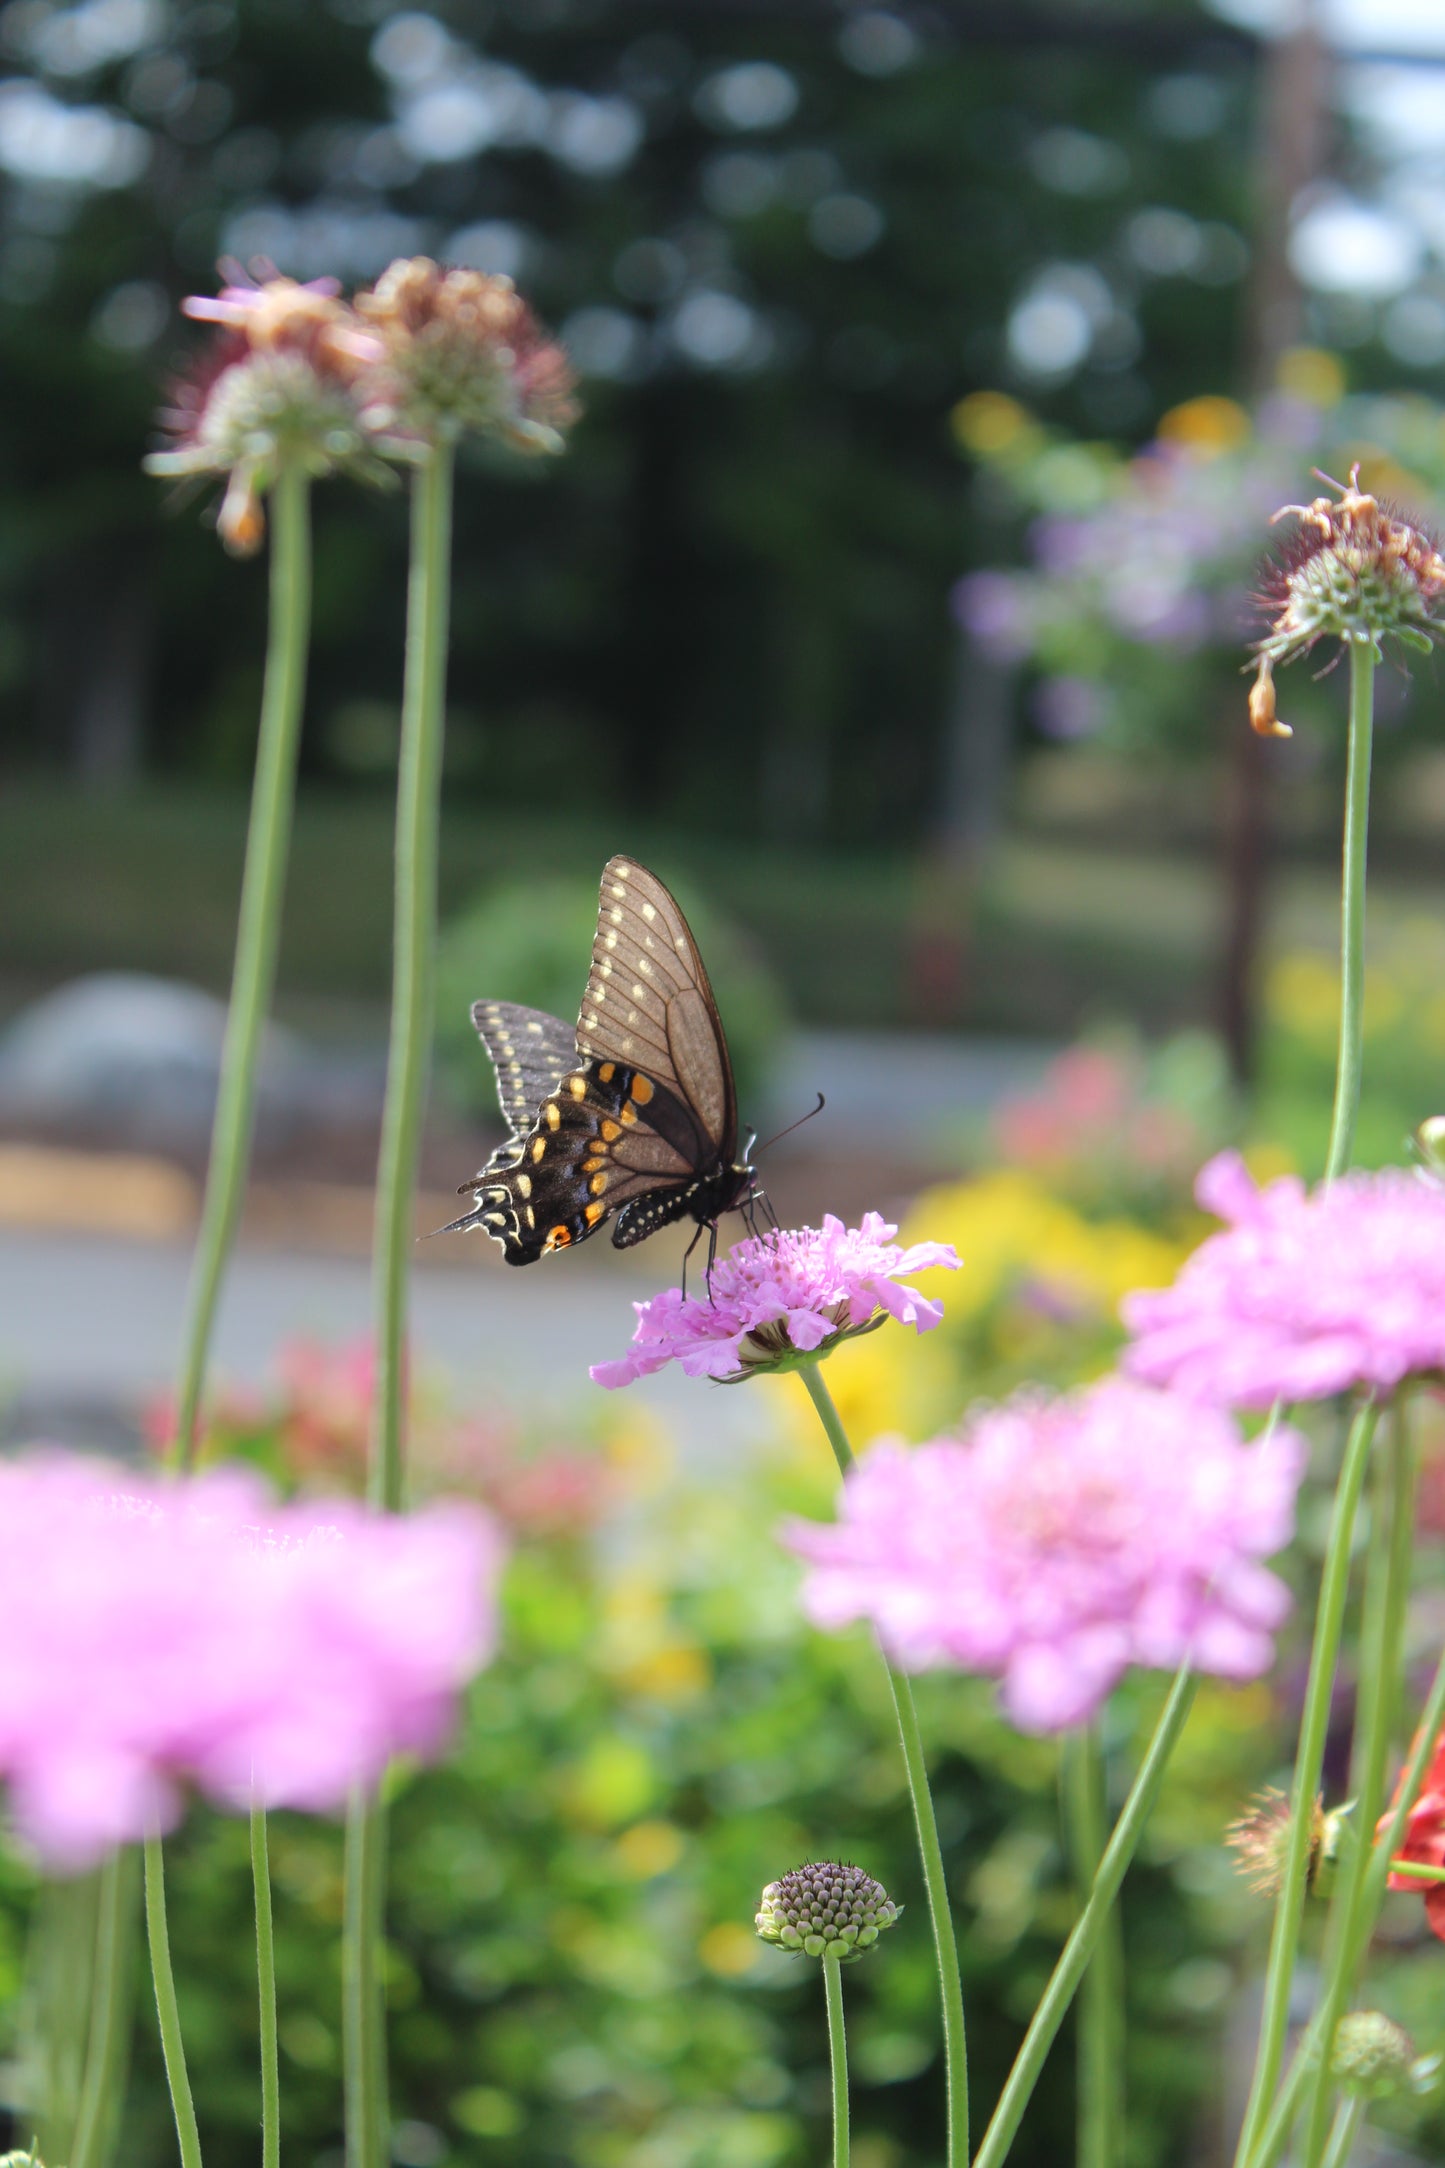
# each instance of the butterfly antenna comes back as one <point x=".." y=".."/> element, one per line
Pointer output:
<point x="822" y="1102"/>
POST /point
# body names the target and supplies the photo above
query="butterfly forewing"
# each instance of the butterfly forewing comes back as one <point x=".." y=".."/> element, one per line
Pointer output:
<point x="649" y="1004"/>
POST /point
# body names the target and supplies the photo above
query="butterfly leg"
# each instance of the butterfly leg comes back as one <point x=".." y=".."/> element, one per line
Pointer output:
<point x="688" y="1252"/>
<point x="760" y="1204"/>
<point x="711" y="1255"/>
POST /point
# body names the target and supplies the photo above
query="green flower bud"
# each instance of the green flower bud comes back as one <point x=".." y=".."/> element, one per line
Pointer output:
<point x="826" y="1909"/>
<point x="1372" y="2055"/>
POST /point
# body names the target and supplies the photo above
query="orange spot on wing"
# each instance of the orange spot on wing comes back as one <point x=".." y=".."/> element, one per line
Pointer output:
<point x="557" y="1238"/>
<point x="642" y="1089"/>
<point x="607" y="1072"/>
<point x="609" y="1131"/>
<point x="629" y="1115"/>
<point x="594" y="1213"/>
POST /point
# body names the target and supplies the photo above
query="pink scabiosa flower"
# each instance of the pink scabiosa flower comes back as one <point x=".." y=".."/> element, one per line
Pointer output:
<point x="195" y="1635"/>
<point x="1352" y="570"/>
<point x="455" y="353"/>
<point x="1303" y="1295"/>
<point x="782" y="1298"/>
<point x="1057" y="1542"/>
<point x="276" y="387"/>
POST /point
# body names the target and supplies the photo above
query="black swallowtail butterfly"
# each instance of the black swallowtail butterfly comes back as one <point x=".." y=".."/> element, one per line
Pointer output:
<point x="634" y="1113"/>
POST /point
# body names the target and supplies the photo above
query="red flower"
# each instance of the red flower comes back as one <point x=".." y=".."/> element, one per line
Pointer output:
<point x="1423" y="1843"/>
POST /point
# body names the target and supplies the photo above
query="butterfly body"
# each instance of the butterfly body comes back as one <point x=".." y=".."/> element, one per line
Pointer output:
<point x="634" y="1114"/>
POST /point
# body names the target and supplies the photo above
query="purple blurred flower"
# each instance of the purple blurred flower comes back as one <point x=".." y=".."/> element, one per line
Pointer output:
<point x="1070" y="707"/>
<point x="777" y="1296"/>
<point x="991" y="607"/>
<point x="197" y="1635"/>
<point x="1058" y="1542"/>
<point x="1303" y="1295"/>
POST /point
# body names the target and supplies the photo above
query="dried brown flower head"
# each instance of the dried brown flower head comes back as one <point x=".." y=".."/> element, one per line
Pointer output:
<point x="1259" y="1838"/>
<point x="277" y="386"/>
<point x="455" y="353"/>
<point x="1354" y="570"/>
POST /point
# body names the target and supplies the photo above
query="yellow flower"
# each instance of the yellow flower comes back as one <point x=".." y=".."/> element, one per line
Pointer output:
<point x="1012" y="1234"/>
<point x="1206" y="426"/>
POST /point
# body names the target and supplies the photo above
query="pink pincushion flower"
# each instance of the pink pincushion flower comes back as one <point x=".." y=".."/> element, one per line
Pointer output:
<point x="780" y="1295"/>
<point x="1303" y="1295"/>
<point x="1058" y="1542"/>
<point x="196" y="1635"/>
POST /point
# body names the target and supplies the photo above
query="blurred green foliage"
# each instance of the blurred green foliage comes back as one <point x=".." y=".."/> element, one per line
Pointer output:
<point x="782" y="247"/>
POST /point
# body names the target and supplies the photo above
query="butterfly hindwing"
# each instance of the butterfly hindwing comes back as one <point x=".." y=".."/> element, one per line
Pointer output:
<point x="588" y="1152"/>
<point x="529" y="1050"/>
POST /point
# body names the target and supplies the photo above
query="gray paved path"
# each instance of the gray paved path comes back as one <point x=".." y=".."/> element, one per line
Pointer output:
<point x="85" y="1322"/>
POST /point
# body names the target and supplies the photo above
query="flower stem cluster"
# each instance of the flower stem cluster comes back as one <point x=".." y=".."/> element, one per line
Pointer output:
<point x="1352" y="570"/>
<point x="826" y="1909"/>
<point x="299" y="378"/>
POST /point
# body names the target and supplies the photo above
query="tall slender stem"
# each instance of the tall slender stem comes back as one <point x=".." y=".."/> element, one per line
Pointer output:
<point x="167" y="2009"/>
<point x="1352" y="910"/>
<point x="257" y="934"/>
<point x="838" y="2053"/>
<point x="935" y="1879"/>
<point x="418" y="813"/>
<point x="1089" y="1928"/>
<point x="363" y="2006"/>
<point x="109" y="2011"/>
<point x="1343" y="2135"/>
<point x="266" y="1991"/>
<point x="1309" y="1758"/>
<point x="1376" y="1703"/>
<point x="1101" y="1998"/>
<point x="1372" y="1896"/>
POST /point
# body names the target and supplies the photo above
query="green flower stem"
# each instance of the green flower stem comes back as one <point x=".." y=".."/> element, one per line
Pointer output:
<point x="1362" y="1926"/>
<point x="167" y="2008"/>
<point x="1089" y="1928"/>
<point x="109" y="2011"/>
<point x="363" y="2004"/>
<point x="1415" y="1870"/>
<point x="266" y="1992"/>
<point x="418" y="812"/>
<point x="254" y="974"/>
<point x="838" y="2051"/>
<point x="1309" y="1757"/>
<point x="1346" y="2130"/>
<point x="1377" y="1702"/>
<point x="935" y="1879"/>
<point x="1352" y="910"/>
<point x="1101" y="1998"/>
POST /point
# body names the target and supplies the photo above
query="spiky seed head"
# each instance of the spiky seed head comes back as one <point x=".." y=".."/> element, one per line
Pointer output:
<point x="1259" y="1839"/>
<point x="275" y="389"/>
<point x="826" y="1909"/>
<point x="460" y="353"/>
<point x="1372" y="2055"/>
<point x="1352" y="569"/>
